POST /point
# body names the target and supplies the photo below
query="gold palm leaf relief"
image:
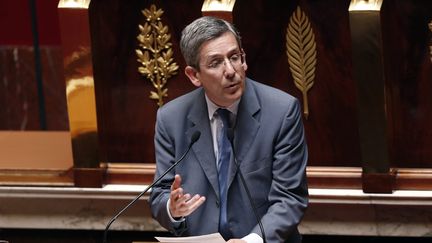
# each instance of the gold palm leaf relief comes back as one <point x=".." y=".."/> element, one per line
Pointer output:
<point x="301" y="52"/>
<point x="155" y="54"/>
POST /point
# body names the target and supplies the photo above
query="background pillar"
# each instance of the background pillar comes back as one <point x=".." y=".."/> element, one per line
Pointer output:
<point x="80" y="92"/>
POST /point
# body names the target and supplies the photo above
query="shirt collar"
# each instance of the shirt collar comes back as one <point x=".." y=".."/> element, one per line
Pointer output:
<point x="212" y="107"/>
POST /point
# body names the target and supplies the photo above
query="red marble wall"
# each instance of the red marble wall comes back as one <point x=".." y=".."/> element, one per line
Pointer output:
<point x="18" y="89"/>
<point x="18" y="86"/>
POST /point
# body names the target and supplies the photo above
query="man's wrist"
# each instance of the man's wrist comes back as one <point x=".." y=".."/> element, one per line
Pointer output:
<point x="173" y="219"/>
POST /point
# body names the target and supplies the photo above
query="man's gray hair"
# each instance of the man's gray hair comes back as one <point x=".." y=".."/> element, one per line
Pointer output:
<point x="199" y="31"/>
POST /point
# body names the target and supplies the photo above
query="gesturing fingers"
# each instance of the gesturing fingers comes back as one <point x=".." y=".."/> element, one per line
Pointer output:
<point x="180" y="204"/>
<point x="193" y="204"/>
<point x="177" y="182"/>
<point x="185" y="205"/>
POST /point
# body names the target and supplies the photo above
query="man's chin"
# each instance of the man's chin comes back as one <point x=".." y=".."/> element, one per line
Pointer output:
<point x="234" y="97"/>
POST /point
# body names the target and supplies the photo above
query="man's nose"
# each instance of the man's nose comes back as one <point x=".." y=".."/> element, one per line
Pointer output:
<point x="229" y="67"/>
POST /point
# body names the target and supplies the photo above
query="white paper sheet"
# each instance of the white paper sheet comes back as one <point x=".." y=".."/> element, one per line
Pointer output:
<point x="211" y="238"/>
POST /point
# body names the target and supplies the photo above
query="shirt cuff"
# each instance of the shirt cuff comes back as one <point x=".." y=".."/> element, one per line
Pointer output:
<point x="253" y="238"/>
<point x="176" y="222"/>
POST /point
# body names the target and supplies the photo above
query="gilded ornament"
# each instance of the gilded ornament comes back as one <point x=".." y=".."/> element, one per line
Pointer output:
<point x="301" y="52"/>
<point x="155" y="53"/>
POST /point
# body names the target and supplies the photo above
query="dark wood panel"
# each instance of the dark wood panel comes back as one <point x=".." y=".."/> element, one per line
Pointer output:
<point x="409" y="81"/>
<point x="126" y="115"/>
<point x="331" y="130"/>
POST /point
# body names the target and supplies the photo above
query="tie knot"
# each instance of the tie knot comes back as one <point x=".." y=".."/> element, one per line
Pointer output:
<point x="224" y="115"/>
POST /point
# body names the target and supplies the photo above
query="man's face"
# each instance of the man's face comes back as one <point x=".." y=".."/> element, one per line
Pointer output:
<point x="222" y="70"/>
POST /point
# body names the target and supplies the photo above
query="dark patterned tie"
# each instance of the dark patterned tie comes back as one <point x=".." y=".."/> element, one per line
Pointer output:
<point x="224" y="147"/>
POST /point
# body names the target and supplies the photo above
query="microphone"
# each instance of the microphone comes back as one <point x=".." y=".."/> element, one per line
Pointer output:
<point x="195" y="136"/>
<point x="230" y="134"/>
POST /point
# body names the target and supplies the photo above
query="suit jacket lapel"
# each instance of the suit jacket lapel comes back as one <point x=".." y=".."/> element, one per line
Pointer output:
<point x="246" y="127"/>
<point x="203" y="148"/>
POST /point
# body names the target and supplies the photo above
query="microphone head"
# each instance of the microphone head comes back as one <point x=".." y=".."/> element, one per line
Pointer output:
<point x="195" y="136"/>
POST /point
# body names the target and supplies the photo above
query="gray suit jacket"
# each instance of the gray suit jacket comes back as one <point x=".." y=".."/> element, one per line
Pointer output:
<point x="270" y="147"/>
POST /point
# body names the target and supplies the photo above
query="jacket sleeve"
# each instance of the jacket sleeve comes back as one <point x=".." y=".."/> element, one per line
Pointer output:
<point x="164" y="148"/>
<point x="288" y="195"/>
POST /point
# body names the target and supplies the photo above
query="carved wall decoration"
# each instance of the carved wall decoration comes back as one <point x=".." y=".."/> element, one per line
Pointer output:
<point x="301" y="52"/>
<point x="155" y="53"/>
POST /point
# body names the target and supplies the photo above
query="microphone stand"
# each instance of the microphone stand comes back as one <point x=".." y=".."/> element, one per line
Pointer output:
<point x="194" y="138"/>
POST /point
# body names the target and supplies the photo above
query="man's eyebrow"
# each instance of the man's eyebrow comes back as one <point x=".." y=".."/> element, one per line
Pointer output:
<point x="218" y="55"/>
<point x="213" y="56"/>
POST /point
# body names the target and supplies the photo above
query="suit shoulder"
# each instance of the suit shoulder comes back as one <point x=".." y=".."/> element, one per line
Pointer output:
<point x="181" y="103"/>
<point x="271" y="95"/>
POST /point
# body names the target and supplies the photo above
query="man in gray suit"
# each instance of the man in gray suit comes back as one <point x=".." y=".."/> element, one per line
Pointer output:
<point x="268" y="147"/>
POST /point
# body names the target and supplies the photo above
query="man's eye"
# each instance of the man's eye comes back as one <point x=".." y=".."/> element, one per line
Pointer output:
<point x="235" y="58"/>
<point x="215" y="63"/>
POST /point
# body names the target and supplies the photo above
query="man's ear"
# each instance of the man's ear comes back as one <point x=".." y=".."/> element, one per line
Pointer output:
<point x="244" y="65"/>
<point x="193" y="74"/>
